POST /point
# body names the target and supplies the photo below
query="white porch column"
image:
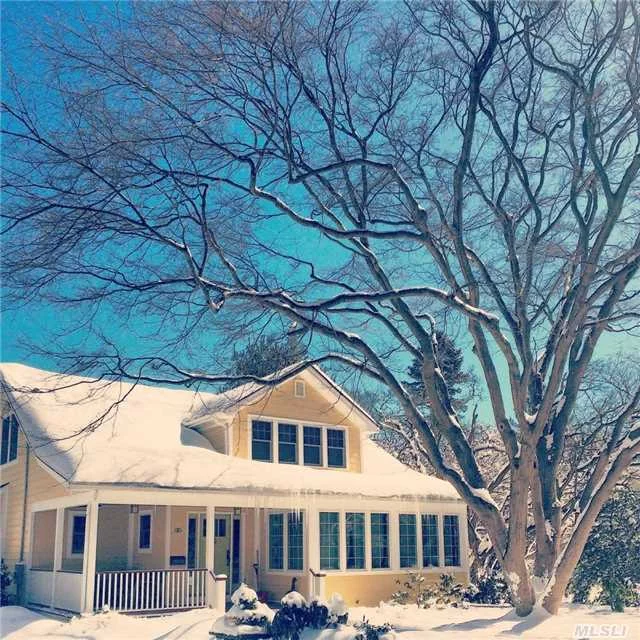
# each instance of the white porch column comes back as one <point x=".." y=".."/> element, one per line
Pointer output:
<point x="89" y="557"/>
<point x="216" y="584"/>
<point x="57" y="551"/>
<point x="313" y="552"/>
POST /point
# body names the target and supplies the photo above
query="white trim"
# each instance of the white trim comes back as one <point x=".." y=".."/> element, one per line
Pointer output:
<point x="274" y="420"/>
<point x="4" y="501"/>
<point x="130" y="537"/>
<point x="89" y="560"/>
<point x="144" y="512"/>
<point x="167" y="536"/>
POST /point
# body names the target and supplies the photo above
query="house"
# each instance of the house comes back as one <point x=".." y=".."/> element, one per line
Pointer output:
<point x="145" y="498"/>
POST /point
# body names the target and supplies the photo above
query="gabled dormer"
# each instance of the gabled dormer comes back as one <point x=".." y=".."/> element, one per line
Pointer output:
<point x="305" y="420"/>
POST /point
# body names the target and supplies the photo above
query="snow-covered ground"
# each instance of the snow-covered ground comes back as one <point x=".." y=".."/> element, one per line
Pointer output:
<point x="410" y="623"/>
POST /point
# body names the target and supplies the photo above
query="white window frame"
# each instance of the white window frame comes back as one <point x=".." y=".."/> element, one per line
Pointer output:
<point x="71" y="515"/>
<point x="342" y="541"/>
<point x="299" y="441"/>
<point x="285" y="542"/>
<point x="149" y="549"/>
<point x="273" y="447"/>
<point x="460" y="545"/>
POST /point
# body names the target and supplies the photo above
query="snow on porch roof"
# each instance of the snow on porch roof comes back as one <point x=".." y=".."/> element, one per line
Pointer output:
<point x="103" y="432"/>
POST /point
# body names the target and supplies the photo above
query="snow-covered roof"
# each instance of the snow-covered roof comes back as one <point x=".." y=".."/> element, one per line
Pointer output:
<point x="103" y="432"/>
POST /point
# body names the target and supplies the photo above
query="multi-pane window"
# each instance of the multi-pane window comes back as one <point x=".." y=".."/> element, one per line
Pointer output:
<point x="276" y="541"/>
<point x="261" y="440"/>
<point x="78" y="524"/>
<point x="288" y="443"/>
<point x="451" y="531"/>
<point x="430" y="555"/>
<point x="144" y="531"/>
<point x="354" y="524"/>
<point x="295" y="544"/>
<point x="335" y="448"/>
<point x="329" y="540"/>
<point x="379" y="541"/>
<point x="408" y="540"/>
<point x="9" y="449"/>
<point x="312" y="446"/>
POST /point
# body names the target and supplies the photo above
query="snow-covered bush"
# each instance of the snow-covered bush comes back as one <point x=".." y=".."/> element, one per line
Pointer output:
<point x="291" y="619"/>
<point x="246" y="617"/>
<point x="489" y="589"/>
<point x="609" y="569"/>
<point x="296" y="614"/>
<point x="369" y="631"/>
<point x="414" y="590"/>
<point x="6" y="579"/>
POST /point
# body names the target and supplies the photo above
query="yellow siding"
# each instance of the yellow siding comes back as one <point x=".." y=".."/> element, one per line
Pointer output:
<point x="41" y="486"/>
<point x="281" y="402"/>
<point x="368" y="589"/>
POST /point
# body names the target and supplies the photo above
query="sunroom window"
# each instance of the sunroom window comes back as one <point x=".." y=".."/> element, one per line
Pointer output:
<point x="451" y="532"/>
<point x="408" y="541"/>
<point x="430" y="554"/>
<point x="379" y="540"/>
<point x="329" y="540"/>
<point x="355" y="540"/>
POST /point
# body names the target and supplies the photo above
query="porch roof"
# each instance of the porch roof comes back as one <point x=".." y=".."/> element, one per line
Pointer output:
<point x="91" y="431"/>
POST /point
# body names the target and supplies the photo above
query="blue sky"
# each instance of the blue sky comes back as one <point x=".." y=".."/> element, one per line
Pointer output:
<point x="35" y="323"/>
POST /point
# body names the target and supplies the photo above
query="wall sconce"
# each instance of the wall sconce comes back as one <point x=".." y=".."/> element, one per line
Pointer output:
<point x="134" y="508"/>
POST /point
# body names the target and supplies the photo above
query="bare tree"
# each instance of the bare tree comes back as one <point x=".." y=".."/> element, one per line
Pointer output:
<point x="371" y="173"/>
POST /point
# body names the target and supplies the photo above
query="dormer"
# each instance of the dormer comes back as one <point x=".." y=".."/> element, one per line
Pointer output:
<point x="305" y="420"/>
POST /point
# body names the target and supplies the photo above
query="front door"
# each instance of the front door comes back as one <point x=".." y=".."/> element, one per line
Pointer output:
<point x="196" y="536"/>
<point x="227" y="548"/>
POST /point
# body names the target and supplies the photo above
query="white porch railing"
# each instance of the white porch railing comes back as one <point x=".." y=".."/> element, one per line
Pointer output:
<point x="151" y="590"/>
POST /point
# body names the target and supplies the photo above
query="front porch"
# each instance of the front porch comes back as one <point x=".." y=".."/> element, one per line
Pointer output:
<point x="148" y="557"/>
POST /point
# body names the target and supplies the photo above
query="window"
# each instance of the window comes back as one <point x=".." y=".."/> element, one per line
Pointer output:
<point x="78" y="525"/>
<point x="144" y="532"/>
<point x="9" y="450"/>
<point x="379" y="540"/>
<point x="329" y="540"/>
<point x="261" y="440"/>
<point x="354" y="523"/>
<point x="221" y="528"/>
<point x="312" y="446"/>
<point x="430" y="555"/>
<point x="295" y="544"/>
<point x="288" y="443"/>
<point x="299" y="389"/>
<point x="451" y="541"/>
<point x="276" y="541"/>
<point x="335" y="448"/>
<point x="408" y="540"/>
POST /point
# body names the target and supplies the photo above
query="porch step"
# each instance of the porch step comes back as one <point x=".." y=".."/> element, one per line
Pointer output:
<point x="60" y="614"/>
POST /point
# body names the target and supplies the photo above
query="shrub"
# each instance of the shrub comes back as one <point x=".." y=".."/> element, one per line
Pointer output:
<point x="369" y="631"/>
<point x="6" y="579"/>
<point x="489" y="589"/>
<point x="292" y="618"/>
<point x="414" y="591"/>
<point x="610" y="563"/>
